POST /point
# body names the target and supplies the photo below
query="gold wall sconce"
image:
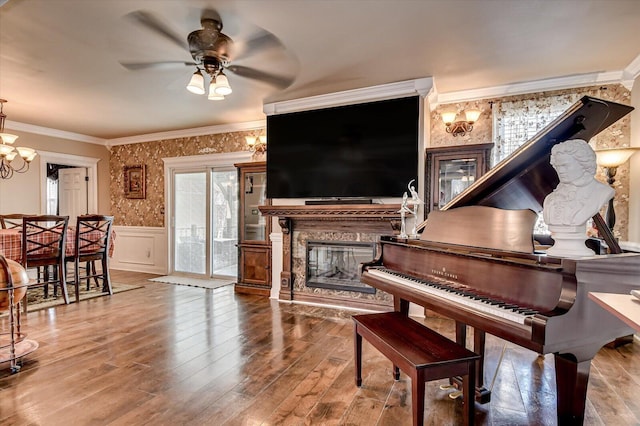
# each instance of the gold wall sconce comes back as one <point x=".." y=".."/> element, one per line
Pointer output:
<point x="461" y="127"/>
<point x="257" y="143"/>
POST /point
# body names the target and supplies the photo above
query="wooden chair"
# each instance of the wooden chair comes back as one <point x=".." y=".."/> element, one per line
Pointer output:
<point x="92" y="239"/>
<point x="43" y="244"/>
<point x="11" y="221"/>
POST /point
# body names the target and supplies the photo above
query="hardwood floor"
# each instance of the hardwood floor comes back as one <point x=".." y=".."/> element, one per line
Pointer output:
<point x="167" y="354"/>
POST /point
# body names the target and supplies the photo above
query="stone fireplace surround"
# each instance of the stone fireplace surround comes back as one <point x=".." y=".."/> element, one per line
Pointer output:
<point x="350" y="222"/>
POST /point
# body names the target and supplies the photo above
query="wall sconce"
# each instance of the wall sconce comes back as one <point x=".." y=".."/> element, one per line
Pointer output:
<point x="257" y="143"/>
<point x="609" y="160"/>
<point x="460" y="128"/>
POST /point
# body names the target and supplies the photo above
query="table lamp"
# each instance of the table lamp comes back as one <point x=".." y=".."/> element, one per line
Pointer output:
<point x="609" y="159"/>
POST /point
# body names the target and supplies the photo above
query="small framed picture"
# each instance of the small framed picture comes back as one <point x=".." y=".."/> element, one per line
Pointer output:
<point x="134" y="181"/>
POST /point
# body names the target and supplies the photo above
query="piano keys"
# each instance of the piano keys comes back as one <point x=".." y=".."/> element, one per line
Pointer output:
<point x="488" y="276"/>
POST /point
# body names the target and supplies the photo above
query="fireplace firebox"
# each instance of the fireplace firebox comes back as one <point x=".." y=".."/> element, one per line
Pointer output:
<point x="335" y="265"/>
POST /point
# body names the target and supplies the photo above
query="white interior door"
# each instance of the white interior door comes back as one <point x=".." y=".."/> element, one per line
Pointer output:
<point x="72" y="192"/>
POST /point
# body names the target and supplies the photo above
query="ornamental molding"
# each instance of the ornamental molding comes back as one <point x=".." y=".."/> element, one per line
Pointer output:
<point x="335" y="212"/>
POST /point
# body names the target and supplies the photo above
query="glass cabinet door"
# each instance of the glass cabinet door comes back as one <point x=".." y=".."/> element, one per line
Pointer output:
<point x="454" y="176"/>
<point x="255" y="225"/>
<point x="451" y="169"/>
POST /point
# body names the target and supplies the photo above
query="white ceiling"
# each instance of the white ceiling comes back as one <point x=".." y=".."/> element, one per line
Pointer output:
<point x="60" y="59"/>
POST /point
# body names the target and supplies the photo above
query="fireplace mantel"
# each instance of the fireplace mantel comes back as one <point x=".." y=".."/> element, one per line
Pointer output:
<point x="382" y="217"/>
<point x="377" y="219"/>
<point x="328" y="211"/>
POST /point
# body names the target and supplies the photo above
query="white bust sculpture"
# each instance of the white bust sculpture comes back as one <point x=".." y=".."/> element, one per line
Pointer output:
<point x="577" y="198"/>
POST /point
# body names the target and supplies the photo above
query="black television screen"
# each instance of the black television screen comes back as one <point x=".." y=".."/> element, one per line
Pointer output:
<point x="364" y="150"/>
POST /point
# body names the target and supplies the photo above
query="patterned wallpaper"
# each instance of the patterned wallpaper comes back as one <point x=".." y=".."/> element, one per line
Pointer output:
<point x="150" y="211"/>
<point x="617" y="135"/>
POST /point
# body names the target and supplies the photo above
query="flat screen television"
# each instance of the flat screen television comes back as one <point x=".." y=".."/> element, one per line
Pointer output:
<point x="367" y="150"/>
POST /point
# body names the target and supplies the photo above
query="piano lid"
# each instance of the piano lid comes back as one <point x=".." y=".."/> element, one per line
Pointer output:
<point x="523" y="180"/>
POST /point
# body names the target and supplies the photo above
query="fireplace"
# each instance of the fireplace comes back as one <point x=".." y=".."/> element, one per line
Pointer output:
<point x="335" y="265"/>
<point x="337" y="227"/>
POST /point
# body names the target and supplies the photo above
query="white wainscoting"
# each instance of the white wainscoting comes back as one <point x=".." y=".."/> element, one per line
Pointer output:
<point x="140" y="249"/>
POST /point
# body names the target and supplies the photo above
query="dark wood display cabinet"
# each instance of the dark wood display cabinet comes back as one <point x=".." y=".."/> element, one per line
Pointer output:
<point x="254" y="245"/>
<point x="451" y="169"/>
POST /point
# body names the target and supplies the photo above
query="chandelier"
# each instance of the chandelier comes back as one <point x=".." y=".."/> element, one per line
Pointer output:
<point x="8" y="154"/>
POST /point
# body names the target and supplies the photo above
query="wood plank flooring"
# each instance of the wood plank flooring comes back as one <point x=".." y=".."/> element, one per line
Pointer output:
<point x="167" y="354"/>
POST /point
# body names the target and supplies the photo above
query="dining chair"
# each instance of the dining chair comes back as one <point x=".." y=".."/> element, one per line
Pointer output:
<point x="92" y="240"/>
<point x="14" y="221"/>
<point x="43" y="244"/>
<point x="11" y="221"/>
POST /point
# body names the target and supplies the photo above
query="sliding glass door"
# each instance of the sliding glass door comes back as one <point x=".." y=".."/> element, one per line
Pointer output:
<point x="224" y="216"/>
<point x="205" y="222"/>
<point x="190" y="222"/>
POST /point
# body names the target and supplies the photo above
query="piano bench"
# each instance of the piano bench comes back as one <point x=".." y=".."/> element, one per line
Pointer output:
<point x="420" y="352"/>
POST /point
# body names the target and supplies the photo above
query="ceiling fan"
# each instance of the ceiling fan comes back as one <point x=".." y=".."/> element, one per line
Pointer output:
<point x="212" y="51"/>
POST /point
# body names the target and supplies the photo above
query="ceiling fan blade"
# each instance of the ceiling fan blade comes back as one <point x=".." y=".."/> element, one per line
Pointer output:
<point x="260" y="43"/>
<point x="154" y="24"/>
<point x="272" y="79"/>
<point x="134" y="66"/>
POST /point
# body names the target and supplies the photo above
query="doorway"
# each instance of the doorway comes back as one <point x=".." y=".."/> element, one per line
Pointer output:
<point x="67" y="190"/>
<point x="48" y="203"/>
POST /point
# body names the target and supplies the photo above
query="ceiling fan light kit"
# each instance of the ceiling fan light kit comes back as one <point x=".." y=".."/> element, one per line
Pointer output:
<point x="196" y="85"/>
<point x="210" y="47"/>
<point x="213" y="96"/>
<point x="222" y="85"/>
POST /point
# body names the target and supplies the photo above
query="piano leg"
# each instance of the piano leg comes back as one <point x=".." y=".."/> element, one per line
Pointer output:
<point x="572" y="378"/>
<point x="478" y="347"/>
<point x="401" y="305"/>
<point x="357" y="340"/>
<point x="482" y="394"/>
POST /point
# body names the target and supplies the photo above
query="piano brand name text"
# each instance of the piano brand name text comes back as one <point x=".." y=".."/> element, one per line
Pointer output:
<point x="444" y="273"/>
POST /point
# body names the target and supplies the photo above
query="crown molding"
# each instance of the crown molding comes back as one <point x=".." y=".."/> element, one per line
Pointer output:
<point x="559" y="83"/>
<point x="212" y="160"/>
<point x="420" y="86"/>
<point x="424" y="87"/>
<point x="197" y="131"/>
<point x="47" y="131"/>
<point x="632" y="71"/>
<point x="149" y="137"/>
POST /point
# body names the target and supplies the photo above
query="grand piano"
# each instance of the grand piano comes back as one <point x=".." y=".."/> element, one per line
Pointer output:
<point x="476" y="262"/>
